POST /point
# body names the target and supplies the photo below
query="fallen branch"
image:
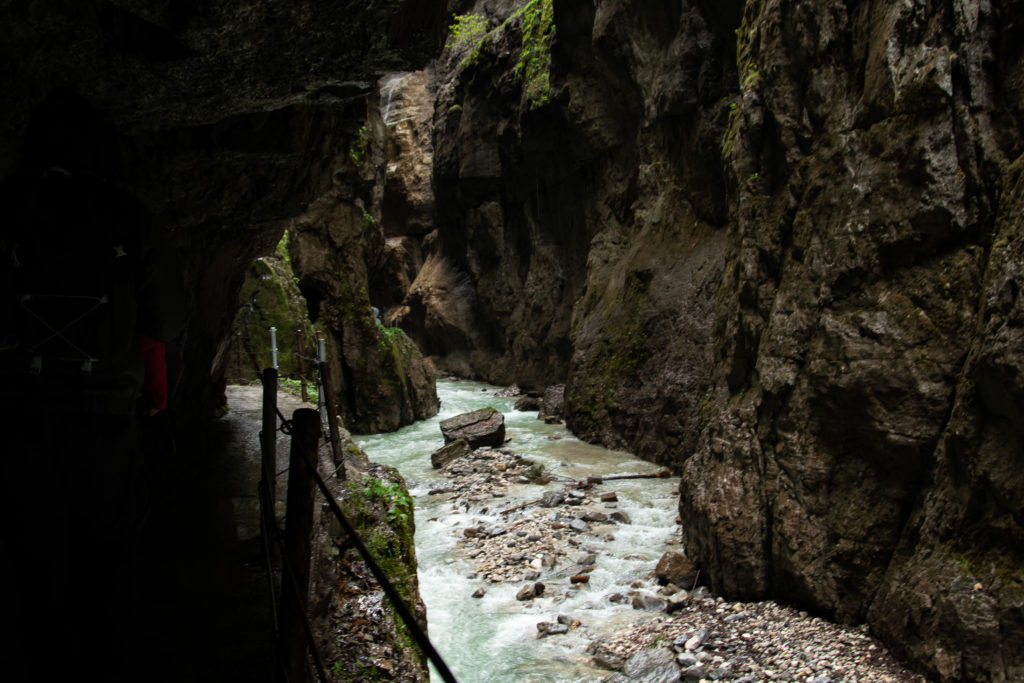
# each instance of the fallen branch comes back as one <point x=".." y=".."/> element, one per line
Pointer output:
<point x="660" y="474"/>
<point x="519" y="507"/>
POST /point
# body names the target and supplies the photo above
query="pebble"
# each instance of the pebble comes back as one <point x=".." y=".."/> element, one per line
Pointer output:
<point x="710" y="638"/>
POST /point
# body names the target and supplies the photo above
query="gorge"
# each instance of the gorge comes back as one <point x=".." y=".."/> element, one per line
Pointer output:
<point x="774" y="245"/>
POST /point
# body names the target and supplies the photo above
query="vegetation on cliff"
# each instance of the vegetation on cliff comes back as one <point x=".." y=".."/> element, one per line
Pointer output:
<point x="269" y="298"/>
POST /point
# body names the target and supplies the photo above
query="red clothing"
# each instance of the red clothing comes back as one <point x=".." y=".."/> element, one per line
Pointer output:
<point x="154" y="386"/>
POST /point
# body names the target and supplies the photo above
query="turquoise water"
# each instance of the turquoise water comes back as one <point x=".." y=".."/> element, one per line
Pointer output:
<point x="494" y="639"/>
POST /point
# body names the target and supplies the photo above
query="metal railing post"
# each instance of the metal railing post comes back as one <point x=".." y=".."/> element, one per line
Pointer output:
<point x="302" y="366"/>
<point x="332" y="410"/>
<point x="268" y="448"/>
<point x="298" y="535"/>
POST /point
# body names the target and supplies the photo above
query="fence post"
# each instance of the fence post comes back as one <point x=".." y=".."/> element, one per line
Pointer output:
<point x="302" y="366"/>
<point x="332" y="410"/>
<point x="268" y="447"/>
<point x="298" y="533"/>
<point x="273" y="347"/>
<point x="238" y="348"/>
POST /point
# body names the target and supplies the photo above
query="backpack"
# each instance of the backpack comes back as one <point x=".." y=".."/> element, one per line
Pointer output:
<point x="70" y="267"/>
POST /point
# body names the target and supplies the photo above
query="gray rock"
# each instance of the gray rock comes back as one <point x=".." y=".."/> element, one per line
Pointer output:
<point x="531" y="591"/>
<point x="484" y="427"/>
<point x="621" y="517"/>
<point x="677" y="601"/>
<point x="551" y="629"/>
<point x="550" y="499"/>
<point x="652" y="666"/>
<point x="686" y="660"/>
<point x="697" y="639"/>
<point x="578" y="525"/>
<point x="583" y="558"/>
<point x="675" y="567"/>
<point x="607" y="660"/>
<point x="452" y="451"/>
<point x="648" y="602"/>
<point x="693" y="673"/>
<point x="528" y="403"/>
<point x="552" y="407"/>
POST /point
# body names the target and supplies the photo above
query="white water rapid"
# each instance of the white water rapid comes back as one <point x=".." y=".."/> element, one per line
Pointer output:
<point x="494" y="639"/>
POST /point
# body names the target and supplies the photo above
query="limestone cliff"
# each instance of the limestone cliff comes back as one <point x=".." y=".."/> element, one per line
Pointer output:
<point x="776" y="246"/>
<point x="380" y="380"/>
<point x="270" y="297"/>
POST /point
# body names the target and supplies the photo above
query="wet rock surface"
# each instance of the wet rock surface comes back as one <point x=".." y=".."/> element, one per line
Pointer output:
<point x="550" y="545"/>
<point x="787" y="265"/>
<point x="484" y="427"/>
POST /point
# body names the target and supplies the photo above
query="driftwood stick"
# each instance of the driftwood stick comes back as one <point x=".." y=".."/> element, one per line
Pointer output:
<point x="660" y="474"/>
<point x="519" y="507"/>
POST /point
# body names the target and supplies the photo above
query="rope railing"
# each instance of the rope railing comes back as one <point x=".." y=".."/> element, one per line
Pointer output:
<point x="305" y="428"/>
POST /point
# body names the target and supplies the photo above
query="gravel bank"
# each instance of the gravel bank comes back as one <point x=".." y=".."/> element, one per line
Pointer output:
<point x="548" y="545"/>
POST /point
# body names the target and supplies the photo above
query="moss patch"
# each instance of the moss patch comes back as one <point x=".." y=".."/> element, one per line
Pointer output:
<point x="534" y="65"/>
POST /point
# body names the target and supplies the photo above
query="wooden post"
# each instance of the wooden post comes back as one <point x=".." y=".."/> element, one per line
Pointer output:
<point x="332" y="409"/>
<point x="238" y="347"/>
<point x="302" y="366"/>
<point x="268" y="448"/>
<point x="298" y="541"/>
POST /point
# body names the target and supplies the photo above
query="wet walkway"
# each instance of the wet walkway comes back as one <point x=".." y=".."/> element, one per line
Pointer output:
<point x="204" y="612"/>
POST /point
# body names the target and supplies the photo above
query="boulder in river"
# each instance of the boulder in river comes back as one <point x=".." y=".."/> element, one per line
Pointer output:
<point x="552" y="406"/>
<point x="528" y="403"/>
<point x="451" y="451"/>
<point x="531" y="591"/>
<point x="675" y="567"/>
<point x="484" y="427"/>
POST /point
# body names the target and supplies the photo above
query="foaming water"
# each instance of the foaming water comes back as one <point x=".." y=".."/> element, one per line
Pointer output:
<point x="494" y="639"/>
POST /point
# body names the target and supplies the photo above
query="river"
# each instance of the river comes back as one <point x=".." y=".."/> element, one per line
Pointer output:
<point x="494" y="639"/>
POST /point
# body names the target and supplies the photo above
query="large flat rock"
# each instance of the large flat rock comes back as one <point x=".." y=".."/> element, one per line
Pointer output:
<point x="484" y="427"/>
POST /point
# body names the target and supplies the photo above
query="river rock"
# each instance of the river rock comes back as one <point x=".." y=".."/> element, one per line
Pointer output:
<point x="529" y="592"/>
<point x="451" y="451"/>
<point x="552" y="406"/>
<point x="528" y="403"/>
<point x="548" y="628"/>
<point x="696" y="640"/>
<point x="606" y="660"/>
<point x="693" y="673"/>
<point x="652" y="666"/>
<point x="550" y="499"/>
<point x="675" y="567"/>
<point x="621" y="517"/>
<point x="484" y="427"/>
<point x="648" y="602"/>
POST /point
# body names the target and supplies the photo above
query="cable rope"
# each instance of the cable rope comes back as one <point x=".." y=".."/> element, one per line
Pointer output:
<point x="415" y="630"/>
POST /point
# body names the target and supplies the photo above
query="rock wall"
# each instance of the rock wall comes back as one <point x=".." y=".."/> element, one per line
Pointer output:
<point x="494" y="296"/>
<point x="270" y="297"/>
<point x="230" y="118"/>
<point x="774" y="245"/>
<point x="380" y="380"/>
<point x="854" y="457"/>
